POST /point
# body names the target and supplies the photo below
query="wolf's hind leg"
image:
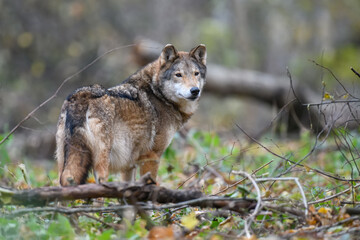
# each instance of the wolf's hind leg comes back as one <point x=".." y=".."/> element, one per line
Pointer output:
<point x="76" y="165"/>
<point x="101" y="166"/>
<point x="149" y="163"/>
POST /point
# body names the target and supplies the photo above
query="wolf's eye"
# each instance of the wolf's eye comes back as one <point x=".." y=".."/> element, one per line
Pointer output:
<point x="178" y="75"/>
<point x="196" y="73"/>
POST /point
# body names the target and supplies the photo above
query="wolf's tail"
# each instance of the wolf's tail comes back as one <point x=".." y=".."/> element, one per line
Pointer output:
<point x="73" y="154"/>
<point x="77" y="163"/>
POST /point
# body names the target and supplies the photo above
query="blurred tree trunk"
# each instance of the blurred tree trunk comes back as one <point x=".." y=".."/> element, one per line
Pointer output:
<point x="243" y="42"/>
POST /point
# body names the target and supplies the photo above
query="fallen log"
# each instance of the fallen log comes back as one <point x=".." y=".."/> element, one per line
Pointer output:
<point x="143" y="190"/>
<point x="239" y="82"/>
<point x="225" y="81"/>
<point x="308" y="110"/>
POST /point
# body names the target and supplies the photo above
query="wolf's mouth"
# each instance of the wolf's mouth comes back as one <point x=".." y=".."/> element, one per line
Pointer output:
<point x="192" y="98"/>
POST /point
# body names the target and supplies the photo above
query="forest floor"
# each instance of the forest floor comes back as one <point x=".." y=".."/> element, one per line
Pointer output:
<point x="318" y="171"/>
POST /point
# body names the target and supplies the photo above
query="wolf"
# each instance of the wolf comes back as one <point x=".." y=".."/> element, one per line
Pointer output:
<point x="130" y="125"/>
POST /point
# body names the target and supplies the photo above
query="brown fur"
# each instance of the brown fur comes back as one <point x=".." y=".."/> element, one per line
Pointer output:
<point x="132" y="123"/>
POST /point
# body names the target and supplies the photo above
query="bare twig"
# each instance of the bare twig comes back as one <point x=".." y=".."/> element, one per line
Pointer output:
<point x="350" y="230"/>
<point x="354" y="71"/>
<point x="213" y="202"/>
<point x="334" y="76"/>
<point x="257" y="209"/>
<point x="287" y="179"/>
<point x="285" y="209"/>
<point x="291" y="85"/>
<point x="333" y="196"/>
<point x="332" y="102"/>
<point x="296" y="163"/>
<point x="97" y="219"/>
<point x="207" y="164"/>
<point x="323" y="228"/>
<point x="241" y="180"/>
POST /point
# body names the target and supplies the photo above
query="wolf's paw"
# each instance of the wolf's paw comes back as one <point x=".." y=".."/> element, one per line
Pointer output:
<point x="70" y="181"/>
<point x="100" y="180"/>
<point x="67" y="179"/>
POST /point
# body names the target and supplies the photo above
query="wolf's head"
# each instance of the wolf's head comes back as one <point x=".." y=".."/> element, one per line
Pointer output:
<point x="181" y="76"/>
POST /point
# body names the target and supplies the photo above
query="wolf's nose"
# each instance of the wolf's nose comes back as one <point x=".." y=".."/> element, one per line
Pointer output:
<point x="194" y="91"/>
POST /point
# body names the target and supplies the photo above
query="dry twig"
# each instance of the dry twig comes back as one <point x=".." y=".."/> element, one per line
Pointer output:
<point x="257" y="209"/>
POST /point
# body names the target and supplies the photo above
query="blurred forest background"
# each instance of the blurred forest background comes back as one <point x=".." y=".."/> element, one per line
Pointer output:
<point x="43" y="42"/>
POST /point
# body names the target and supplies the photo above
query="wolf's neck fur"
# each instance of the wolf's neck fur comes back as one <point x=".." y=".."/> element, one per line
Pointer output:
<point x="147" y="78"/>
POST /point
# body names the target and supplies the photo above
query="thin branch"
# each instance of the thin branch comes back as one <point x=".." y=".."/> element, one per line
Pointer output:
<point x="241" y="180"/>
<point x="331" y="102"/>
<point x="322" y="228"/>
<point x="287" y="179"/>
<point x="207" y="164"/>
<point x="252" y="216"/>
<point x="233" y="204"/>
<point x="333" y="196"/>
<point x="354" y="71"/>
<point x="338" y="234"/>
<point x="339" y="82"/>
<point x="297" y="164"/>
<point x="98" y="220"/>
<point x="291" y="85"/>
<point x="284" y="209"/>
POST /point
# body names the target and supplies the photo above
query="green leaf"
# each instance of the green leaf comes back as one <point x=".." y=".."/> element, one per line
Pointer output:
<point x="106" y="235"/>
<point x="61" y="228"/>
<point x="9" y="229"/>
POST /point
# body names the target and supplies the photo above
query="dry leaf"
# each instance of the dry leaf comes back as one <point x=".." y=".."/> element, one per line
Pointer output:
<point x="267" y="193"/>
<point x="307" y="168"/>
<point x="163" y="233"/>
<point x="323" y="210"/>
<point x="312" y="221"/>
<point x="252" y="237"/>
<point x="91" y="180"/>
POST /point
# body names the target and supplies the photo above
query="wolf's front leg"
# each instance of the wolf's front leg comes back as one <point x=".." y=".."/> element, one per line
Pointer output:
<point x="149" y="163"/>
<point x="129" y="174"/>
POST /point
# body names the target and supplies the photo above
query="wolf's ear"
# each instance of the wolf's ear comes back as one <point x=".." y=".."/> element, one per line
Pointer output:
<point x="168" y="54"/>
<point x="199" y="53"/>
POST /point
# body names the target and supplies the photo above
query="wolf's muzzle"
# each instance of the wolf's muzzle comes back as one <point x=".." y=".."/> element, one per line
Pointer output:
<point x="194" y="91"/>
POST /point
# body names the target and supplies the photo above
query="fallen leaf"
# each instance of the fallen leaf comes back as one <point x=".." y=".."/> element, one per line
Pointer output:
<point x="307" y="168"/>
<point x="189" y="221"/>
<point x="312" y="221"/>
<point x="267" y="193"/>
<point x="91" y="180"/>
<point x="323" y="210"/>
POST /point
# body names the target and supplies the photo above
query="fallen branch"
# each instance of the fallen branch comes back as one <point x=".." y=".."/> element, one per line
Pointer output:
<point x="143" y="190"/>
